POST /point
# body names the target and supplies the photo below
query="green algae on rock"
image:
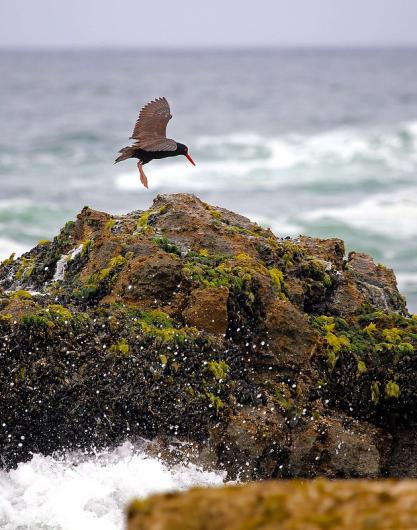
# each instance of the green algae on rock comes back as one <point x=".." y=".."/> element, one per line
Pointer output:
<point x="270" y="357"/>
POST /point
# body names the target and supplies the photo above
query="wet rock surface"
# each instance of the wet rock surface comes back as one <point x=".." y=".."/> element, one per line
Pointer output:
<point x="264" y="356"/>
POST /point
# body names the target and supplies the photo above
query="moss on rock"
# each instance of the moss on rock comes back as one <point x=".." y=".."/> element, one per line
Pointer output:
<point x="190" y="321"/>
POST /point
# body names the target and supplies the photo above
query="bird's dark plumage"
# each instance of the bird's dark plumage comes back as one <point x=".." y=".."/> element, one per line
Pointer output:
<point x="150" y="131"/>
<point x="151" y="127"/>
<point x="150" y="135"/>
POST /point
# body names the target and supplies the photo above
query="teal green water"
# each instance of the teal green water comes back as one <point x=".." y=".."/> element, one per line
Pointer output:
<point x="322" y="143"/>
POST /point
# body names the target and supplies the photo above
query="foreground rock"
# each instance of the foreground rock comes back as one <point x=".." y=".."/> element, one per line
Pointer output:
<point x="269" y="357"/>
<point x="287" y="505"/>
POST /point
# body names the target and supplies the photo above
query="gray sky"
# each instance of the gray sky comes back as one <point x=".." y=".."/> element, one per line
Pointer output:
<point x="214" y="23"/>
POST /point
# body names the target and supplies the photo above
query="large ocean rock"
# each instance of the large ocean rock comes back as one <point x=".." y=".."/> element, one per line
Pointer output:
<point x="268" y="357"/>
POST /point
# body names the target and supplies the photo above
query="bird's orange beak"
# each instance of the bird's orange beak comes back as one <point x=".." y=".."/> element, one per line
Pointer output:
<point x="189" y="158"/>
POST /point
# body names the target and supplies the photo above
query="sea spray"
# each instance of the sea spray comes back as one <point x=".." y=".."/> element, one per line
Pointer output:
<point x="77" y="491"/>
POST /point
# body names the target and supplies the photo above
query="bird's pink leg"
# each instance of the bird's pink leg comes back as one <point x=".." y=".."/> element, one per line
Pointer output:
<point x="142" y="175"/>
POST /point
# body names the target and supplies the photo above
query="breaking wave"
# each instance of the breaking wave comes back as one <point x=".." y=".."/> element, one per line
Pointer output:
<point x="78" y="491"/>
<point x="368" y="158"/>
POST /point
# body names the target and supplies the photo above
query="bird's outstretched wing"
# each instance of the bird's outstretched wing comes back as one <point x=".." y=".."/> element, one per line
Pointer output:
<point x="151" y="125"/>
<point x="156" y="143"/>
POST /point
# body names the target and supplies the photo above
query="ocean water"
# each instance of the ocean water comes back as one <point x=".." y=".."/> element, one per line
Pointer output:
<point x="318" y="142"/>
<point x="77" y="492"/>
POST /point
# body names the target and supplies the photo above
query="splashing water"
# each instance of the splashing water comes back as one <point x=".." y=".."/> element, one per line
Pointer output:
<point x="76" y="492"/>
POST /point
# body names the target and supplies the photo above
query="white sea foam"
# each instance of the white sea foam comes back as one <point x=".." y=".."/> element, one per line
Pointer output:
<point x="60" y="494"/>
<point x="406" y="280"/>
<point x="393" y="215"/>
<point x="253" y="161"/>
<point x="16" y="203"/>
<point x="62" y="263"/>
<point x="7" y="247"/>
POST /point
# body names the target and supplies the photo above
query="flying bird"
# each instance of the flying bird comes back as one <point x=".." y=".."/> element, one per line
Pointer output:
<point x="150" y="135"/>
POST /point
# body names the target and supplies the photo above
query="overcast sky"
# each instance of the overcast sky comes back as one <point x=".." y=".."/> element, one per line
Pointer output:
<point x="202" y="23"/>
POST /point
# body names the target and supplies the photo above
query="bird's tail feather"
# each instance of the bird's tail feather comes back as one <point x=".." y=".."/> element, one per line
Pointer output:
<point x="125" y="153"/>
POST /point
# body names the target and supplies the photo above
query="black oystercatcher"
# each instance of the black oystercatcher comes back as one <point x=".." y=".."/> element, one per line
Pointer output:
<point x="150" y="135"/>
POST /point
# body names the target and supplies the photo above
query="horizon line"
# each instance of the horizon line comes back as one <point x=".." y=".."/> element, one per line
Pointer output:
<point x="210" y="48"/>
